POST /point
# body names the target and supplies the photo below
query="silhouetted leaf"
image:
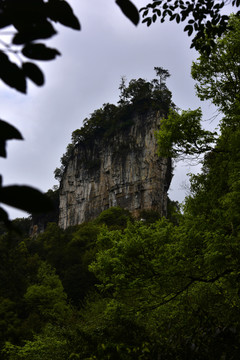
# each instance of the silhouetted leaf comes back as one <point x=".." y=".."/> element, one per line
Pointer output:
<point x="196" y="28"/>
<point x="34" y="31"/>
<point x="154" y="18"/>
<point x="178" y="18"/>
<point x="33" y="72"/>
<point x="4" y="218"/>
<point x="164" y="13"/>
<point x="224" y="19"/>
<point x="25" y="12"/>
<point x="235" y="3"/>
<point x="61" y="11"/>
<point x="145" y="20"/>
<point x="172" y="17"/>
<point x="4" y="20"/>
<point x="129" y="9"/>
<point x="25" y="198"/>
<point x="145" y="13"/>
<point x="11" y="74"/>
<point x="189" y="28"/>
<point x="149" y="21"/>
<point x="40" y="52"/>
<point x="216" y="20"/>
<point x="8" y="132"/>
<point x="3" y="152"/>
<point x="157" y="11"/>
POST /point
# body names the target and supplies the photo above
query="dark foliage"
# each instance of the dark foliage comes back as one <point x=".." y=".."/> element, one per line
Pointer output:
<point x="129" y="9"/>
<point x="149" y="216"/>
<point x="114" y="218"/>
<point x="40" y="220"/>
<point x="205" y="18"/>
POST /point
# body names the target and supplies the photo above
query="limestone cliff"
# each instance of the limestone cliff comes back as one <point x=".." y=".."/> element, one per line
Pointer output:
<point x="123" y="170"/>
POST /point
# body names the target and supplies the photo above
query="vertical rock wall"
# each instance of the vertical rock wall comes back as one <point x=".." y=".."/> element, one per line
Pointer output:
<point x="124" y="171"/>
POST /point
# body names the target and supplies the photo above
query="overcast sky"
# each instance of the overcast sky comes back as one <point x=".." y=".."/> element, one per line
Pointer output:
<point x="87" y="75"/>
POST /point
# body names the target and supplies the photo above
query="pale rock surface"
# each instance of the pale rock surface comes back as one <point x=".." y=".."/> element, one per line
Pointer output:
<point x="124" y="171"/>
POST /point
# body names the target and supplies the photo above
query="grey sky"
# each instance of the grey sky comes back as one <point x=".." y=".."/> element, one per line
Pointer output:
<point x="86" y="76"/>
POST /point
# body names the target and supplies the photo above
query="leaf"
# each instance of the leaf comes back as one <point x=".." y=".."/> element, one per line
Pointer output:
<point x="40" y="52"/>
<point x="146" y="20"/>
<point x="33" y="72"/>
<point x="157" y="11"/>
<point x="4" y="20"/>
<point x="129" y="9"/>
<point x="178" y="19"/>
<point x="61" y="11"/>
<point x="149" y="22"/>
<point x="172" y="17"/>
<point x="154" y="18"/>
<point x="7" y="132"/>
<point x="145" y="13"/>
<point x="11" y="74"/>
<point x="189" y="28"/>
<point x="224" y="19"/>
<point x="4" y="218"/>
<point x="25" y="198"/>
<point x="34" y="31"/>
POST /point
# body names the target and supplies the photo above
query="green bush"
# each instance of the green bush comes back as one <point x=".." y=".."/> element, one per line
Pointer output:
<point x="115" y="217"/>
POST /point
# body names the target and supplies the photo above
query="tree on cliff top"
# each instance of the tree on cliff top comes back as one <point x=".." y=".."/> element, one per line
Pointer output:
<point x="139" y="96"/>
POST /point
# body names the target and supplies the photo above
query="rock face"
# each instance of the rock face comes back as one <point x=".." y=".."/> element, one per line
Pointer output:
<point x="124" y="171"/>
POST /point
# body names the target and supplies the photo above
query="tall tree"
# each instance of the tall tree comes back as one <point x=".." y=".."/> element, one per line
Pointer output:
<point x="218" y="80"/>
<point x="163" y="74"/>
<point x="218" y="75"/>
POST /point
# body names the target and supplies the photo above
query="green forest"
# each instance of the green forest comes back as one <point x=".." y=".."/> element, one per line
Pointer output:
<point x="122" y="288"/>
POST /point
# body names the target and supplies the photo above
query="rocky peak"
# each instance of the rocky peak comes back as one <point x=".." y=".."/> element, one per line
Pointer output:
<point x="122" y="170"/>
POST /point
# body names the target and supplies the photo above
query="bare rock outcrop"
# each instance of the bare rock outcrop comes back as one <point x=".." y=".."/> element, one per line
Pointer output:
<point x="122" y="170"/>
